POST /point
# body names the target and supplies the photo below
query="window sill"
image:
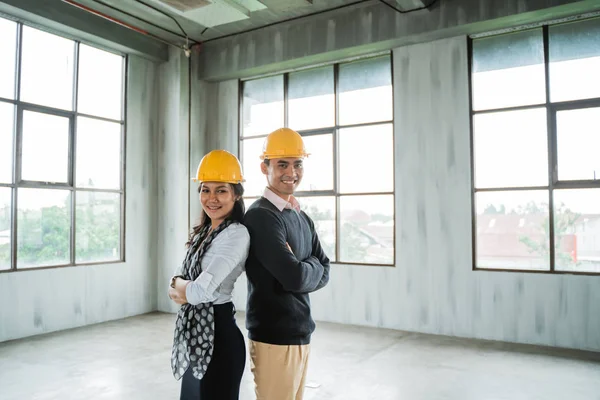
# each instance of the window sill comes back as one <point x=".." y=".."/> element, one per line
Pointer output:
<point x="29" y="269"/>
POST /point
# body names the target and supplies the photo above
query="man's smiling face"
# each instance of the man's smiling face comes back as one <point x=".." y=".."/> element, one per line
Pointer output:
<point x="283" y="175"/>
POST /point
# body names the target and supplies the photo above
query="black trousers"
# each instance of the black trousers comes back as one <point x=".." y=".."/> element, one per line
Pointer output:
<point x="224" y="373"/>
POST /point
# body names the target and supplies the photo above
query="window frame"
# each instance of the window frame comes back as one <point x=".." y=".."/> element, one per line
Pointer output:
<point x="335" y="132"/>
<point x="552" y="108"/>
<point x="17" y="141"/>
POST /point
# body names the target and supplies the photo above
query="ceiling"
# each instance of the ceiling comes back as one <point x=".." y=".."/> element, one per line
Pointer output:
<point x="208" y="19"/>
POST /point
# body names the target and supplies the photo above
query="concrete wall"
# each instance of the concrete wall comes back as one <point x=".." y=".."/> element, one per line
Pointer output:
<point x="34" y="302"/>
<point x="173" y="171"/>
<point x="366" y="28"/>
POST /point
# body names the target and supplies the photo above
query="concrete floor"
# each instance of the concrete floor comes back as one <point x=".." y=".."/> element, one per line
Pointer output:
<point x="129" y="359"/>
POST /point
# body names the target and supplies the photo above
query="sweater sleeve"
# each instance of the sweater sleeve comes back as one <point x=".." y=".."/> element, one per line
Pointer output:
<point x="319" y="254"/>
<point x="268" y="244"/>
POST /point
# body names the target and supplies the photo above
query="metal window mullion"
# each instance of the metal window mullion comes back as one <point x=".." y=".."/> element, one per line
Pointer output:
<point x="5" y="100"/>
<point x="71" y="184"/>
<point x="240" y="115"/>
<point x="391" y="60"/>
<point x="510" y="188"/>
<point x="317" y="132"/>
<point x="73" y="212"/>
<point x="46" y="110"/>
<point x="75" y="89"/>
<point x="359" y="194"/>
<point x="551" y="132"/>
<point x="336" y="163"/>
<point x="472" y="156"/>
<point x="507" y="109"/>
<point x="17" y="93"/>
<point x="95" y="117"/>
<point x="577" y="104"/>
<point x="591" y="184"/>
<point x="285" y="99"/>
<point x="13" y="232"/>
<point x="72" y="153"/>
<point x="366" y="124"/>
<point x="123" y="197"/>
<point x="99" y="190"/>
<point x="17" y="157"/>
<point x="15" y="176"/>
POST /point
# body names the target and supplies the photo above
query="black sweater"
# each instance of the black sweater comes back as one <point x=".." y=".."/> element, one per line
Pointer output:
<point x="279" y="281"/>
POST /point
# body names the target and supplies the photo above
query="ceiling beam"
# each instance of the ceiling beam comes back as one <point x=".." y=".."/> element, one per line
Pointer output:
<point x="65" y="20"/>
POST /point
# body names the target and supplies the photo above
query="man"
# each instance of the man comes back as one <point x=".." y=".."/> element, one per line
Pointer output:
<point x="285" y="264"/>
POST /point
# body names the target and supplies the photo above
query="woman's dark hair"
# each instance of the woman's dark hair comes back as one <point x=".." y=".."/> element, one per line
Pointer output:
<point x="237" y="214"/>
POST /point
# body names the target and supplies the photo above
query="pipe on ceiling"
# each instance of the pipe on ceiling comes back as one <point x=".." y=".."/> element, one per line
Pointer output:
<point x="126" y="25"/>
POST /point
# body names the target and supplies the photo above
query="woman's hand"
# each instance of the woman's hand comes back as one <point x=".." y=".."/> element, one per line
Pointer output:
<point x="177" y="294"/>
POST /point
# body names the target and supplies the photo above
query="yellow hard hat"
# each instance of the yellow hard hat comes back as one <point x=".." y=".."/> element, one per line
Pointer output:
<point x="219" y="166"/>
<point x="283" y="143"/>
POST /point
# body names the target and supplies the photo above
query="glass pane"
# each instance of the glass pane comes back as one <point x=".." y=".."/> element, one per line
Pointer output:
<point x="362" y="151"/>
<point x="98" y="154"/>
<point x="8" y="52"/>
<point x="508" y="70"/>
<point x="578" y="141"/>
<point x="255" y="180"/>
<point x="263" y="106"/>
<point x="5" y="228"/>
<point x="367" y="229"/>
<point x="511" y="149"/>
<point x="47" y="69"/>
<point x="318" y="167"/>
<point x="98" y="226"/>
<point x="366" y="91"/>
<point x="574" y="50"/>
<point x="249" y="202"/>
<point x="100" y="83"/>
<point x="45" y="147"/>
<point x="43" y="227"/>
<point x="311" y="102"/>
<point x="512" y="230"/>
<point x="7" y="116"/>
<point x="322" y="211"/>
<point x="577" y="230"/>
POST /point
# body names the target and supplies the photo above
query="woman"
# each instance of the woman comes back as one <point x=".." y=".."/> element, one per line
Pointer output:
<point x="209" y="352"/>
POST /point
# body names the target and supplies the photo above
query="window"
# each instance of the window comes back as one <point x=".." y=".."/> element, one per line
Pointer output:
<point x="345" y="114"/>
<point x="535" y="142"/>
<point x="61" y="151"/>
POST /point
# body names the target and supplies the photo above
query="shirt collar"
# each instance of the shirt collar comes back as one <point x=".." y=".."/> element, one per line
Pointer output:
<point x="280" y="203"/>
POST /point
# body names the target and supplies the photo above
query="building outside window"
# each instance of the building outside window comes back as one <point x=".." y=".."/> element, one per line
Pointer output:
<point x="535" y="147"/>
<point x="62" y="132"/>
<point x="345" y="114"/>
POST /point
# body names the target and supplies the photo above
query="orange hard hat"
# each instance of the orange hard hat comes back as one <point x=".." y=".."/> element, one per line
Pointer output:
<point x="219" y="166"/>
<point x="283" y="143"/>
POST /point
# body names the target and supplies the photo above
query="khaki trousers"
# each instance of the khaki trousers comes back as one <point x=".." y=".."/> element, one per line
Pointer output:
<point x="279" y="371"/>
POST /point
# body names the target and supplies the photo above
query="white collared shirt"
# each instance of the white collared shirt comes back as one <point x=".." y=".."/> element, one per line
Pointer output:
<point x="222" y="263"/>
<point x="280" y="203"/>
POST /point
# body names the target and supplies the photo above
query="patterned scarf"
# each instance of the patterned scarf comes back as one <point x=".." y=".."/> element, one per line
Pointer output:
<point x="195" y="325"/>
